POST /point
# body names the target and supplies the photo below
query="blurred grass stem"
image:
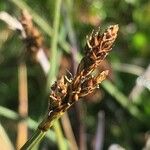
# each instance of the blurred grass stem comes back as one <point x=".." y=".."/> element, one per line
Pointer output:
<point x="54" y="64"/>
<point x="123" y="100"/>
<point x="22" y="132"/>
<point x="79" y="115"/>
<point x="59" y="135"/>
<point x="53" y="60"/>
<point x="35" y="139"/>
<point x="10" y="114"/>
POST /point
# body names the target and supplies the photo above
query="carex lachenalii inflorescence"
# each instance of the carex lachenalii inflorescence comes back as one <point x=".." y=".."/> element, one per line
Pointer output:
<point x="65" y="92"/>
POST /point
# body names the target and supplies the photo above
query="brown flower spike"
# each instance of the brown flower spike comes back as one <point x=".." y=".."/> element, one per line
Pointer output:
<point x="33" y="38"/>
<point x="65" y="92"/>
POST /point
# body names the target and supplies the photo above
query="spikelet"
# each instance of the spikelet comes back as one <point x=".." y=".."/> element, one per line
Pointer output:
<point x="97" y="48"/>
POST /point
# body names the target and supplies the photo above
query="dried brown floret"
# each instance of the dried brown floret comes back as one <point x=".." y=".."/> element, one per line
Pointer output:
<point x="97" y="48"/>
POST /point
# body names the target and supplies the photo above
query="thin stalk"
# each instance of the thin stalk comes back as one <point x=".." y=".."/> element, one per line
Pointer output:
<point x="68" y="132"/>
<point x="99" y="139"/>
<point x="22" y="133"/>
<point x="74" y="50"/>
<point x="53" y="62"/>
<point x="57" y="128"/>
<point x="36" y="138"/>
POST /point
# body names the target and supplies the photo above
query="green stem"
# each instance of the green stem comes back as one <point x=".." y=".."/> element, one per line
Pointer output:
<point x="36" y="138"/>
<point x="53" y="60"/>
<point x="54" y="68"/>
<point x="60" y="139"/>
<point x="122" y="100"/>
<point x="10" y="114"/>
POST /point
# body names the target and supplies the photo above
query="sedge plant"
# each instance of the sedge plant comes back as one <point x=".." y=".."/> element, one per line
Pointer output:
<point x="67" y="91"/>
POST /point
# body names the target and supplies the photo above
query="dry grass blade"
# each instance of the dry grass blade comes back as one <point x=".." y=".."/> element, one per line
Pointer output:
<point x="65" y="92"/>
<point x="22" y="133"/>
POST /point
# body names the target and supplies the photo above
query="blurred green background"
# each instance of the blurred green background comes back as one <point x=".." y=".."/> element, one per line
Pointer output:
<point x="128" y="62"/>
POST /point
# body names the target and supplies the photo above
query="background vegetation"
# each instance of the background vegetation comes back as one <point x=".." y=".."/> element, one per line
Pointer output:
<point x="108" y="113"/>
